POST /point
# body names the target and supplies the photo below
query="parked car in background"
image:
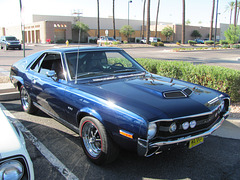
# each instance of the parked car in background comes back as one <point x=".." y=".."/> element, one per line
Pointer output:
<point x="105" y="39"/>
<point x="15" y="162"/>
<point x="10" y="42"/>
<point x="199" y="41"/>
<point x="112" y="101"/>
<point x="151" y="39"/>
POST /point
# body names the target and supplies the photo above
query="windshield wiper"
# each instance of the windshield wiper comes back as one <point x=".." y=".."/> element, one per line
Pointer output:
<point x="89" y="73"/>
<point x="125" y="70"/>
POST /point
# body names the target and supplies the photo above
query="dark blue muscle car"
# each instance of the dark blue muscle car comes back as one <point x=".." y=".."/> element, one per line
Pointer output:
<point x="112" y="101"/>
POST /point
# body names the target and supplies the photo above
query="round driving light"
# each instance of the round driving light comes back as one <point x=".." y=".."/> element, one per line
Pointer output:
<point x="173" y="127"/>
<point x="185" y="125"/>
<point x="152" y="130"/>
<point x="193" y="124"/>
<point x="11" y="170"/>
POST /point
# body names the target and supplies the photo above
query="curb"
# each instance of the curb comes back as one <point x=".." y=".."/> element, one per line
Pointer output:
<point x="8" y="92"/>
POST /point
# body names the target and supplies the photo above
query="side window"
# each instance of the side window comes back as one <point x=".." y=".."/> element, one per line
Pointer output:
<point x="48" y="62"/>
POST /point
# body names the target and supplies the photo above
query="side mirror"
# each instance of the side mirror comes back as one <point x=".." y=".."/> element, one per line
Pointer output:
<point x="52" y="74"/>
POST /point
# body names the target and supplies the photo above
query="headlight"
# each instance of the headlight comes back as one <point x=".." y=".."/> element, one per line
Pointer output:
<point x="11" y="170"/>
<point x="173" y="127"/>
<point x="152" y="130"/>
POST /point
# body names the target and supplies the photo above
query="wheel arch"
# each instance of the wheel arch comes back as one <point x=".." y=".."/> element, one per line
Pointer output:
<point x="86" y="111"/>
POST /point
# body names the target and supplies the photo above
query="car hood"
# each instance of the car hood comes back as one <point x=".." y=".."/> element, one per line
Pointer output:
<point x="145" y="96"/>
<point x="9" y="138"/>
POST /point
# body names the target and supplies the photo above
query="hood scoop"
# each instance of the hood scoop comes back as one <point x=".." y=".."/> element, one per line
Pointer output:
<point x="178" y="94"/>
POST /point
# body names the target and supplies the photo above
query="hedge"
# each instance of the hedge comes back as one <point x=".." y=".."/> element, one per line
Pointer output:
<point x="219" y="78"/>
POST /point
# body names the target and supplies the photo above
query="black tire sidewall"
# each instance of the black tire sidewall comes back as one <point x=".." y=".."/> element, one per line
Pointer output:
<point x="105" y="156"/>
<point x="31" y="109"/>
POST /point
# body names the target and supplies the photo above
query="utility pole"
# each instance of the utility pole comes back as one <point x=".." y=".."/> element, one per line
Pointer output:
<point x="22" y="28"/>
<point x="78" y="13"/>
<point x="215" y="34"/>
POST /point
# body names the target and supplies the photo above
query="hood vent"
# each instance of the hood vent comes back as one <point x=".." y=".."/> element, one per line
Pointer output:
<point x="178" y="94"/>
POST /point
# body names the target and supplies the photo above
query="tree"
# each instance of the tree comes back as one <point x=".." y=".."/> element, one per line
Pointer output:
<point x="188" y="22"/>
<point x="232" y="34"/>
<point x="143" y="24"/>
<point x="183" y="22"/>
<point x="98" y="22"/>
<point x="81" y="27"/>
<point x="148" y="22"/>
<point x="127" y="31"/>
<point x="212" y="17"/>
<point x="157" y="18"/>
<point x="196" y="34"/>
<point x="114" y="30"/>
<point x="230" y="7"/>
<point x="235" y="13"/>
<point x="167" y="31"/>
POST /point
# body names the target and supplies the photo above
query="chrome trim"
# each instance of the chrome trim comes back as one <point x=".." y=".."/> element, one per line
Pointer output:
<point x="145" y="145"/>
<point x="190" y="116"/>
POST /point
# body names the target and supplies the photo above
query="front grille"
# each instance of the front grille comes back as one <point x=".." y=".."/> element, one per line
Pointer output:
<point x="204" y="123"/>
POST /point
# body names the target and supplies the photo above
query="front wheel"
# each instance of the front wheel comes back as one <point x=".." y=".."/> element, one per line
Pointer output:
<point x="26" y="101"/>
<point x="96" y="143"/>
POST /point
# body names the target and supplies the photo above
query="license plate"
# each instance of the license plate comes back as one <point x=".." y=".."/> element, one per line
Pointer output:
<point x="195" y="142"/>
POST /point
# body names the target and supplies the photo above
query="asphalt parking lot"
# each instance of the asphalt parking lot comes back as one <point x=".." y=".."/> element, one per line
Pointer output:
<point x="56" y="153"/>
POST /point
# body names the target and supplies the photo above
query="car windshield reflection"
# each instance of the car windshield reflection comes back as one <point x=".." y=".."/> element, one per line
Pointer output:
<point x="93" y="64"/>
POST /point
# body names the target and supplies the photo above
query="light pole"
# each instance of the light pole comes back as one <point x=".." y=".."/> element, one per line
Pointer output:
<point x="129" y="1"/>
<point x="22" y="28"/>
<point x="215" y="34"/>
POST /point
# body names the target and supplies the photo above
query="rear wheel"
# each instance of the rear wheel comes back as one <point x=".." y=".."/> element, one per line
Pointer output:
<point x="26" y="101"/>
<point x="96" y="143"/>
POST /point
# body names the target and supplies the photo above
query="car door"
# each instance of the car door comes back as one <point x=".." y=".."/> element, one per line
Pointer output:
<point x="48" y="92"/>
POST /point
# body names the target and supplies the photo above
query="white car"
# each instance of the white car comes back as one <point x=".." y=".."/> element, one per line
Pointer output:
<point x="151" y="39"/>
<point x="104" y="39"/>
<point x="15" y="162"/>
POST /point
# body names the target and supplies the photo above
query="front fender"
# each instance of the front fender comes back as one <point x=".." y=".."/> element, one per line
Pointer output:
<point x="87" y="110"/>
<point x="16" y="80"/>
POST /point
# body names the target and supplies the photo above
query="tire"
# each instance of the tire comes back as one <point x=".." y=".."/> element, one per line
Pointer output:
<point x="26" y="101"/>
<point x="96" y="143"/>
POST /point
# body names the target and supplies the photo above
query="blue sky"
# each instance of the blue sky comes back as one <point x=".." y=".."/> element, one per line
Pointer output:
<point x="170" y="10"/>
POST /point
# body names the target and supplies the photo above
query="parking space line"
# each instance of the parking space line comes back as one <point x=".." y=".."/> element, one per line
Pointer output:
<point x="43" y="150"/>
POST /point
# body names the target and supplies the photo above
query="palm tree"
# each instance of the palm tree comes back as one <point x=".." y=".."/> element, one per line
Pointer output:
<point x="148" y="22"/>
<point x="98" y="22"/>
<point x="211" y="27"/>
<point x="235" y="14"/>
<point x="157" y="18"/>
<point x="143" y="24"/>
<point x="183" y="23"/>
<point x="230" y="7"/>
<point x="114" y="30"/>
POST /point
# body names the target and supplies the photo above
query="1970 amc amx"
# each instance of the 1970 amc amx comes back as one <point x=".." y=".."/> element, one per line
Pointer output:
<point x="112" y="101"/>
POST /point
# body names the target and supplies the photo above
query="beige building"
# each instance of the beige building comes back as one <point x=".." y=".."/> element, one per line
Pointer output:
<point x="46" y="28"/>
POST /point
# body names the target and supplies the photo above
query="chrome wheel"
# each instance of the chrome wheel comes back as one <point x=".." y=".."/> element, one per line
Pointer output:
<point x="24" y="98"/>
<point x="91" y="139"/>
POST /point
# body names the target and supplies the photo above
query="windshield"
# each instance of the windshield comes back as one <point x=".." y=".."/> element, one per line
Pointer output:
<point x="102" y="63"/>
<point x="11" y="38"/>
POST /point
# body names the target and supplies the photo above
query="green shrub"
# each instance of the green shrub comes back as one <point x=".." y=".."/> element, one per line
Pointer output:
<point x="209" y="42"/>
<point x="219" y="78"/>
<point x="178" y="43"/>
<point x="160" y="43"/>
<point x="154" y="44"/>
<point x="237" y="46"/>
<point x="223" y="42"/>
<point x="107" y="43"/>
<point x="191" y="42"/>
<point x="116" y="42"/>
<point x="60" y="41"/>
<point x="125" y="42"/>
<point x="225" y="46"/>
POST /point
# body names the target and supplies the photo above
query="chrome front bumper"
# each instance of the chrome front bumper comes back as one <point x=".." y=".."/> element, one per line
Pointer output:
<point x="144" y="146"/>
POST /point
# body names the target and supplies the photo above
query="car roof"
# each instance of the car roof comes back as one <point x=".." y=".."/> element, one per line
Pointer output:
<point x="83" y="49"/>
